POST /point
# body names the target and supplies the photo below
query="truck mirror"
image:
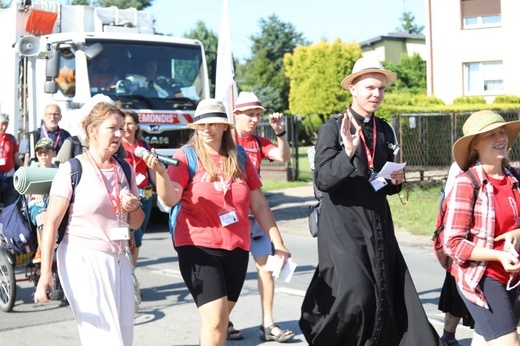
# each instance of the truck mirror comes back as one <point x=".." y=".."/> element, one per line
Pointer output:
<point x="52" y="67"/>
<point x="50" y="87"/>
<point x="93" y="51"/>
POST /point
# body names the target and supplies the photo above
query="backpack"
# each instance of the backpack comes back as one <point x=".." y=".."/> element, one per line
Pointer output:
<point x="438" y="235"/>
<point x="315" y="209"/>
<point x="15" y="225"/>
<point x="75" y="175"/>
<point x="193" y="162"/>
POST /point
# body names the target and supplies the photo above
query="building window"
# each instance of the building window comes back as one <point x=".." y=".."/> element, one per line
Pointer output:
<point x="483" y="77"/>
<point x="480" y="13"/>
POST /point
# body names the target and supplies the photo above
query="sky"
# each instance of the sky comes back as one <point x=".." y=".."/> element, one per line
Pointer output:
<point x="349" y="20"/>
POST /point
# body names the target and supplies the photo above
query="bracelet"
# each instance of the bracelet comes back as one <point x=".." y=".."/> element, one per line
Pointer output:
<point x="281" y="133"/>
<point x="136" y="209"/>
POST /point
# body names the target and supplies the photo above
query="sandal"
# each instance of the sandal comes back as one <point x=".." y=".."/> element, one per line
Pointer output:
<point x="266" y="334"/>
<point x="232" y="333"/>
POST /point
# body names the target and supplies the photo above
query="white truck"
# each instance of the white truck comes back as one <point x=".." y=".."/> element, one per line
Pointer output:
<point x="50" y="53"/>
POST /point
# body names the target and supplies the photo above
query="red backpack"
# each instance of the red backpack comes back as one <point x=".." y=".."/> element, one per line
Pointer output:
<point x="438" y="235"/>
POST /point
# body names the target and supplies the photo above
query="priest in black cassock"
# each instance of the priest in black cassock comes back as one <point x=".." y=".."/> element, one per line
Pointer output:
<point x="362" y="292"/>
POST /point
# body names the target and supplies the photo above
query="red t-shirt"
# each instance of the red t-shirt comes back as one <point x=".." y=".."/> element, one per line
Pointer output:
<point x="140" y="167"/>
<point x="253" y="149"/>
<point x="8" y="147"/>
<point x="198" y="221"/>
<point x="507" y="203"/>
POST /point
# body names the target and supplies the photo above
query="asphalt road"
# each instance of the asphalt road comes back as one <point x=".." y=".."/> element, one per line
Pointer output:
<point x="168" y="316"/>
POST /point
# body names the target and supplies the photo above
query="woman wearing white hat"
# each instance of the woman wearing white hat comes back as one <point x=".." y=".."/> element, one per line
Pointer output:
<point x="212" y="235"/>
<point x="476" y="230"/>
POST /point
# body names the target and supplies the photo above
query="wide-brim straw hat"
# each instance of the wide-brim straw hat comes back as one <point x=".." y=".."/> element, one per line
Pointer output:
<point x="210" y="111"/>
<point x="368" y="65"/>
<point x="482" y="122"/>
<point x="247" y="100"/>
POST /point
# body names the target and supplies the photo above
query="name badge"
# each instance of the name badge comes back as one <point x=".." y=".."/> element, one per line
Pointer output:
<point x="377" y="182"/>
<point x="228" y="217"/>
<point x="120" y="232"/>
<point x="2" y="161"/>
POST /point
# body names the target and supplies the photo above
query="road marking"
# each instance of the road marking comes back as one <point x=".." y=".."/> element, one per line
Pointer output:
<point x="290" y="291"/>
<point x="167" y="272"/>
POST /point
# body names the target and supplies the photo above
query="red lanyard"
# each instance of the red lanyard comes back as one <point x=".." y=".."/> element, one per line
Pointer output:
<point x="46" y="135"/>
<point x="114" y="200"/>
<point x="370" y="155"/>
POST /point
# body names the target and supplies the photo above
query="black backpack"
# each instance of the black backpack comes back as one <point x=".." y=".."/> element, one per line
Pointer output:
<point x="75" y="176"/>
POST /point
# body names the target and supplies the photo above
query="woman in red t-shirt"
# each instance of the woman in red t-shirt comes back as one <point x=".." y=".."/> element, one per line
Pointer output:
<point x="144" y="178"/>
<point x="478" y="229"/>
<point x="9" y="161"/>
<point x="212" y="234"/>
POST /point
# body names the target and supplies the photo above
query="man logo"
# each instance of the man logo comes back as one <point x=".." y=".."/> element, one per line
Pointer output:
<point x="155" y="128"/>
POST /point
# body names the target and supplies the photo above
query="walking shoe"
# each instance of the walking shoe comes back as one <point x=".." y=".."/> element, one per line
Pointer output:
<point x="451" y="342"/>
<point x="37" y="256"/>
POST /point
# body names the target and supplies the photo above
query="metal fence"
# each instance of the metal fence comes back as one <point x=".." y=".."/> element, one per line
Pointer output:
<point x="289" y="170"/>
<point x="426" y="140"/>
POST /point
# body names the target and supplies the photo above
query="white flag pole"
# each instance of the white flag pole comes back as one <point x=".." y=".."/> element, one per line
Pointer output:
<point x="225" y="86"/>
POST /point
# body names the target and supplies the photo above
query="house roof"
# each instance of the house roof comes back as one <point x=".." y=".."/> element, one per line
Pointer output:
<point x="393" y="36"/>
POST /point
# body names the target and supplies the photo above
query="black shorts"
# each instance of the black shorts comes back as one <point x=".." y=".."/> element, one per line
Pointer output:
<point x="499" y="320"/>
<point x="450" y="301"/>
<point x="211" y="274"/>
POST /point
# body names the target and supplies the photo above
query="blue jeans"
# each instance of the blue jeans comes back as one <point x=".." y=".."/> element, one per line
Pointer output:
<point x="138" y="234"/>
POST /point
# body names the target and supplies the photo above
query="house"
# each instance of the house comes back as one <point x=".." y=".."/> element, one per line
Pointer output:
<point x="473" y="48"/>
<point x="390" y="47"/>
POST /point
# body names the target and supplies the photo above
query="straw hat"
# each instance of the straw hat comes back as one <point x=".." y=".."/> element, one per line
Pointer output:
<point x="210" y="111"/>
<point x="247" y="100"/>
<point x="477" y="123"/>
<point x="368" y="65"/>
<point x="44" y="143"/>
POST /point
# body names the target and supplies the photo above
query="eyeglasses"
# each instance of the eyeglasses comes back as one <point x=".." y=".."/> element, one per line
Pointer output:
<point x="53" y="114"/>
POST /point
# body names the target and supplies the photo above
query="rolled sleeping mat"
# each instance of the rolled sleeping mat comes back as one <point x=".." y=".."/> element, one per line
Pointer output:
<point x="34" y="180"/>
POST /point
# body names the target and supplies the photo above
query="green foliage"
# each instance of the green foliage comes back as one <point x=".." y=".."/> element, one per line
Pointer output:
<point x="122" y="4"/>
<point x="408" y="24"/>
<point x="5" y="4"/>
<point x="315" y="73"/>
<point x="271" y="99"/>
<point x="469" y="100"/>
<point x="411" y="74"/>
<point x="265" y="67"/>
<point x="209" y="40"/>
<point x="507" y="99"/>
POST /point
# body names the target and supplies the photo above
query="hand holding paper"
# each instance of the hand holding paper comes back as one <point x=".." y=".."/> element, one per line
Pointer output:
<point x="390" y="167"/>
<point x="281" y="271"/>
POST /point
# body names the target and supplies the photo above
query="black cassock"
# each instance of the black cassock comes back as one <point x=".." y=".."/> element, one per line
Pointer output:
<point x="362" y="292"/>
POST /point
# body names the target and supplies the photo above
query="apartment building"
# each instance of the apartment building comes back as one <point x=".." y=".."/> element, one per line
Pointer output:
<point x="473" y="48"/>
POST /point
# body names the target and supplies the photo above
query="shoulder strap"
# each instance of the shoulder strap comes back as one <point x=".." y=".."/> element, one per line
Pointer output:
<point x="241" y="155"/>
<point x="126" y="168"/>
<point x="476" y="185"/>
<point x="146" y="145"/>
<point x="75" y="148"/>
<point x="193" y="160"/>
<point x="258" y="140"/>
<point x="75" y="175"/>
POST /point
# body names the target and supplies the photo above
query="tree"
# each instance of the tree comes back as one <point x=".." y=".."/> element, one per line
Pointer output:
<point x="315" y="74"/>
<point x="137" y="4"/>
<point x="210" y="41"/>
<point x="265" y="67"/>
<point x="411" y="75"/>
<point x="408" y="24"/>
<point x="5" y="4"/>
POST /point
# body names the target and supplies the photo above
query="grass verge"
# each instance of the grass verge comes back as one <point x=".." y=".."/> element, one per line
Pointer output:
<point x="419" y="215"/>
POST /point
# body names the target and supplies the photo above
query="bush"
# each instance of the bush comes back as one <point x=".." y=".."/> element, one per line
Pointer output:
<point x="507" y="99"/>
<point x="469" y="100"/>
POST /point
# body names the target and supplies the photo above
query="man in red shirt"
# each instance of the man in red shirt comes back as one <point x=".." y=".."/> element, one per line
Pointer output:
<point x="247" y="112"/>
<point x="9" y="160"/>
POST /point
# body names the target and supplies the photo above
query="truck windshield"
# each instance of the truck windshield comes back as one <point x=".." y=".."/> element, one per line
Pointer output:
<point x="147" y="74"/>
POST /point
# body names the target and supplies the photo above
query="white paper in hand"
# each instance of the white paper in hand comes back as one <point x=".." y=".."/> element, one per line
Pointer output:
<point x="390" y="167"/>
<point x="274" y="264"/>
<point x="287" y="271"/>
